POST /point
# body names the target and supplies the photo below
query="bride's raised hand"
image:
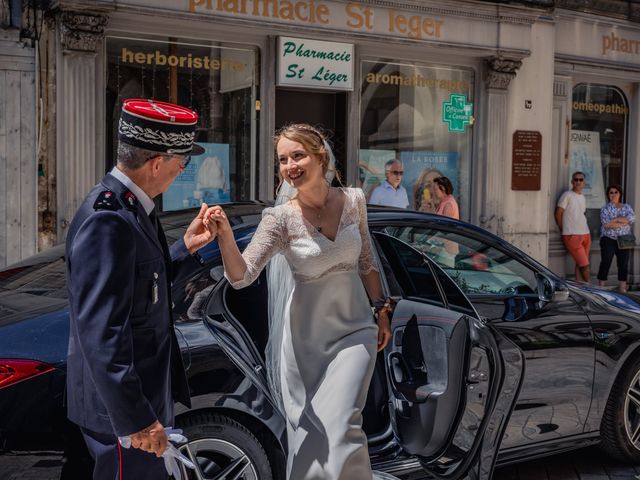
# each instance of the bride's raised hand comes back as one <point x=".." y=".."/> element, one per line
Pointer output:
<point x="217" y="215"/>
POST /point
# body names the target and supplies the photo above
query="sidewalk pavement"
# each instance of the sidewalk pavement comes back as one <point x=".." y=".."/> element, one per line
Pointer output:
<point x="29" y="466"/>
<point x="585" y="464"/>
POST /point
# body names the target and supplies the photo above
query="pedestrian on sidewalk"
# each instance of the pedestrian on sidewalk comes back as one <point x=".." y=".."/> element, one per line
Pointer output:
<point x="572" y="222"/>
<point x="616" y="219"/>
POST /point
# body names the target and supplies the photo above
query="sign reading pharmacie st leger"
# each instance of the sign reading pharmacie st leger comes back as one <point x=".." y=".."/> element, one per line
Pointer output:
<point x="314" y="63"/>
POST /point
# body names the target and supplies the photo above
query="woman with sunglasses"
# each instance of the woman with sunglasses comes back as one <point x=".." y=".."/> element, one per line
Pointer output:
<point x="616" y="219"/>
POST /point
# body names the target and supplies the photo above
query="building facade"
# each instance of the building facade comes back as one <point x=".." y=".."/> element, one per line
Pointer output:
<point x="498" y="97"/>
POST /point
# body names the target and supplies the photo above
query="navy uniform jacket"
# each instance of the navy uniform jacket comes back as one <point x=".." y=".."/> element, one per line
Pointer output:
<point x="123" y="350"/>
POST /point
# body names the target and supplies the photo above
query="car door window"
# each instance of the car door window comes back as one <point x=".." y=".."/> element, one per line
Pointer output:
<point x="476" y="267"/>
<point x="409" y="270"/>
<point x="455" y="298"/>
<point x="190" y="298"/>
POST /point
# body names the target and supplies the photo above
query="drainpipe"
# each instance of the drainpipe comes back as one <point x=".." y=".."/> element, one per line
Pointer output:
<point x="15" y="13"/>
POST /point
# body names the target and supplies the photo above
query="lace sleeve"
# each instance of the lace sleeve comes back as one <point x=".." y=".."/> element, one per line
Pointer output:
<point x="268" y="240"/>
<point x="366" y="262"/>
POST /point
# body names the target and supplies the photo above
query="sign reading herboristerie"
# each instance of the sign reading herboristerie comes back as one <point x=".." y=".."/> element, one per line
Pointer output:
<point x="314" y="63"/>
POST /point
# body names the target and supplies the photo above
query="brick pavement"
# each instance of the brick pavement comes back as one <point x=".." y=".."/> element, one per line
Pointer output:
<point x="27" y="466"/>
<point x="586" y="464"/>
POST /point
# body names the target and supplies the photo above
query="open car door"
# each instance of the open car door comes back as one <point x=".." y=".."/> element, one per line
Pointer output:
<point x="453" y="380"/>
<point x="242" y="337"/>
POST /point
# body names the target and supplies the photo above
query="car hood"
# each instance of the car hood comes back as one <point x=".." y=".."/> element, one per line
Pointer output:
<point x="629" y="301"/>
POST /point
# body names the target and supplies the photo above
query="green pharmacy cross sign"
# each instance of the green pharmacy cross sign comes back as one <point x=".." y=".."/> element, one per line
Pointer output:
<point x="457" y="112"/>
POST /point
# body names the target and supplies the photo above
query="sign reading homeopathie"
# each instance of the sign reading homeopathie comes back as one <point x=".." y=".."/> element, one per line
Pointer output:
<point x="314" y="63"/>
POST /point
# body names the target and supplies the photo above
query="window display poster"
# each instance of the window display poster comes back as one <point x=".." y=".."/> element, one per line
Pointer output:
<point x="371" y="168"/>
<point x="585" y="157"/>
<point x="206" y="179"/>
<point x="420" y="168"/>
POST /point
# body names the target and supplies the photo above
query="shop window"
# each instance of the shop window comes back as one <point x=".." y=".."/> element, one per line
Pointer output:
<point x="402" y="118"/>
<point x="219" y="83"/>
<point x="598" y="139"/>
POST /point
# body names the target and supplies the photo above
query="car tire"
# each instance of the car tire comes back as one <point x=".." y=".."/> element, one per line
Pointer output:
<point x="221" y="446"/>
<point x="620" y="428"/>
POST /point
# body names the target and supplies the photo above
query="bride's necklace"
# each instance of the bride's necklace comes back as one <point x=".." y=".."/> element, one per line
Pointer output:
<point x="317" y="211"/>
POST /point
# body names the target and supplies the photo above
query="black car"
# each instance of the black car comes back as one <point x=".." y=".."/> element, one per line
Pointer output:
<point x="493" y="358"/>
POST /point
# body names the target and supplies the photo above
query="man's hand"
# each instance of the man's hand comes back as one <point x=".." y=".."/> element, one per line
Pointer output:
<point x="201" y="230"/>
<point x="152" y="439"/>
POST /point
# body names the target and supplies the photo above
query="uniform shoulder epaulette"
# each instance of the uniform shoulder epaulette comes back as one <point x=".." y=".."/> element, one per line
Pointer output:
<point x="106" y="201"/>
<point x="130" y="200"/>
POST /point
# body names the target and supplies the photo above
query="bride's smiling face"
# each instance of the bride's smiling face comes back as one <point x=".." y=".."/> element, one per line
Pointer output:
<point x="297" y="166"/>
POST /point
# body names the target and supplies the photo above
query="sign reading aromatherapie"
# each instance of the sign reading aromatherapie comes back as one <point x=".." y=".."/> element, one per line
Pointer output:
<point x="314" y="63"/>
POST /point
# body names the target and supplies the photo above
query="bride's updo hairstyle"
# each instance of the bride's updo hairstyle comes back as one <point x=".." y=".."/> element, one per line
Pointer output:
<point x="312" y="139"/>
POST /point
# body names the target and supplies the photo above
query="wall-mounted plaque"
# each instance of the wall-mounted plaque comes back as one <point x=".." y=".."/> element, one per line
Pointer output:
<point x="526" y="160"/>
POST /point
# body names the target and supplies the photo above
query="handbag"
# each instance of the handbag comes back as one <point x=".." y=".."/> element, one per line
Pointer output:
<point x="625" y="242"/>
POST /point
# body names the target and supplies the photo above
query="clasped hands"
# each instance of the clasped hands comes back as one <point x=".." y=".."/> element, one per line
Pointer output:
<point x="209" y="223"/>
<point x="205" y="227"/>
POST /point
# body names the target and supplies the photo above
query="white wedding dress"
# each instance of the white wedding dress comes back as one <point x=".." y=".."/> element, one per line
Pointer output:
<point x="329" y="339"/>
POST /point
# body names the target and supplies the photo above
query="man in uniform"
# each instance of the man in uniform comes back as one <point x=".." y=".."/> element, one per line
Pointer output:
<point x="124" y="367"/>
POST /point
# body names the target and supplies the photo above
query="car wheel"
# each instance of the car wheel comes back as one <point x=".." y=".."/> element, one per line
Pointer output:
<point x="222" y="448"/>
<point x="620" y="429"/>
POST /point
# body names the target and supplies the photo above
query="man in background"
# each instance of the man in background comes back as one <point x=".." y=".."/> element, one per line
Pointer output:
<point x="572" y="222"/>
<point x="390" y="192"/>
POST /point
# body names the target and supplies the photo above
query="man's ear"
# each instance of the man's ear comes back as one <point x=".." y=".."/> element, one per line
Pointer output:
<point x="154" y="165"/>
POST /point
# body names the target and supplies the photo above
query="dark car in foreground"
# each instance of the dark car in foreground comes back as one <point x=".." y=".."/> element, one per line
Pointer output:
<point x="493" y="358"/>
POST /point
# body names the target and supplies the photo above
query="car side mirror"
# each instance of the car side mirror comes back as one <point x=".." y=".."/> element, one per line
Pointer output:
<point x="515" y="308"/>
<point x="550" y="291"/>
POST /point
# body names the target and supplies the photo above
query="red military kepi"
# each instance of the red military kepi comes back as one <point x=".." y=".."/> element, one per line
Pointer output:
<point x="158" y="126"/>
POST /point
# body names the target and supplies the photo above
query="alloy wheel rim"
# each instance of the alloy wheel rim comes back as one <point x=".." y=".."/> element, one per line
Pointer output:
<point x="217" y="459"/>
<point x="632" y="411"/>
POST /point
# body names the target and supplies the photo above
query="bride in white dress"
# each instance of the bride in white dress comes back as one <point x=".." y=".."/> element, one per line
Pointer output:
<point x="326" y="350"/>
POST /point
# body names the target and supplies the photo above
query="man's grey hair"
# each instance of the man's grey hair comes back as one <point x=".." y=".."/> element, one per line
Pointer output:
<point x="389" y="164"/>
<point x="134" y="157"/>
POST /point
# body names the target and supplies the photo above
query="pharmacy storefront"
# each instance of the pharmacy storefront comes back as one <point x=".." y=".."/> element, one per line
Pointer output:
<point x="595" y="108"/>
<point x="417" y="82"/>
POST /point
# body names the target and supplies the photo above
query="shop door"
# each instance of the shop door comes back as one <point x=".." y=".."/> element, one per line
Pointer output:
<point x="326" y="110"/>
